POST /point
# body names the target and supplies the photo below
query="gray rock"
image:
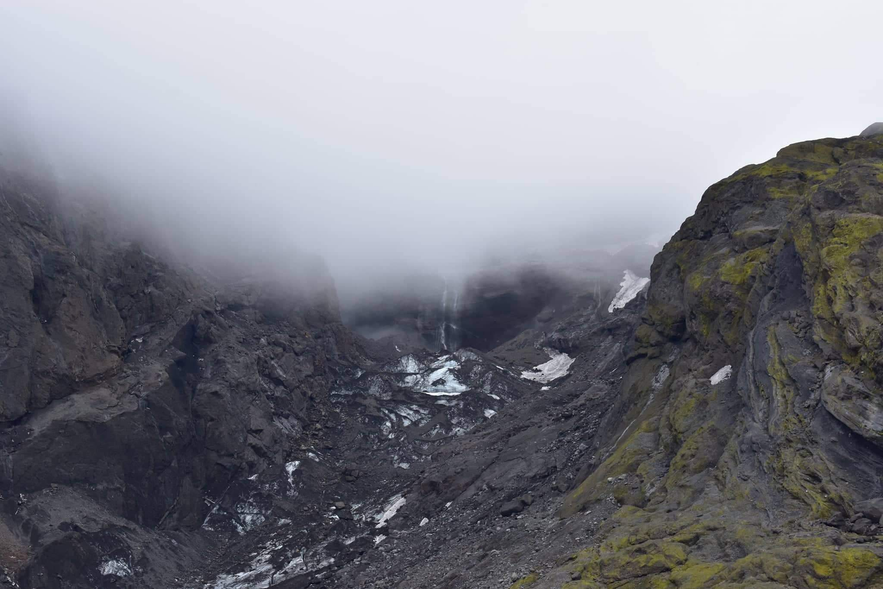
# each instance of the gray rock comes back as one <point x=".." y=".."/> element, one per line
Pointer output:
<point x="872" y="508"/>
<point x="512" y="507"/>
<point x="875" y="129"/>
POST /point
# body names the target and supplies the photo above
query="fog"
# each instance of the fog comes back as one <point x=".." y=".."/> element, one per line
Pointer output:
<point x="396" y="134"/>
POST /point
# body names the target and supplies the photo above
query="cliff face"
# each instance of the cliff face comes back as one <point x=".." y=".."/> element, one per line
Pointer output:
<point x="751" y="444"/>
<point x="131" y="390"/>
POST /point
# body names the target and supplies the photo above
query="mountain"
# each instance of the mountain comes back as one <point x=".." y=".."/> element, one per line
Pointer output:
<point x="559" y="425"/>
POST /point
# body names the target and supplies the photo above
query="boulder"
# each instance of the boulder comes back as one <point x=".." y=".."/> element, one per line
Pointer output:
<point x="872" y="508"/>
<point x="875" y="129"/>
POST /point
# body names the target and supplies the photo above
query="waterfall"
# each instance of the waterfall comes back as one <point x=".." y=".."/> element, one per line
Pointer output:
<point x="447" y="326"/>
<point x="442" y="335"/>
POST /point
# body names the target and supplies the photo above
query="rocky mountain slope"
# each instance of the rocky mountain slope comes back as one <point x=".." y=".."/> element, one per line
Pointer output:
<point x="722" y="427"/>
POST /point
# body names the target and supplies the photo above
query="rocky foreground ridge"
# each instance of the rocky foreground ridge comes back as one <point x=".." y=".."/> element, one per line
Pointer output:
<point x="724" y="428"/>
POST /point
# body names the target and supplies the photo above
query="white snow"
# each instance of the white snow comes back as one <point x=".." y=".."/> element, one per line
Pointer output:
<point x="424" y="521"/>
<point x="722" y="375"/>
<point x="440" y="370"/>
<point x="290" y="467"/>
<point x="488" y="413"/>
<point x="379" y="539"/>
<point x="115" y="567"/>
<point x="551" y="370"/>
<point x="545" y="388"/>
<point x="629" y="288"/>
<point x="412" y="414"/>
<point x="409" y="365"/>
<point x="391" y="509"/>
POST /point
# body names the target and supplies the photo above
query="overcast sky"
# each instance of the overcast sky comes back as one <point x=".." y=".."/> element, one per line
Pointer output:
<point x="381" y="132"/>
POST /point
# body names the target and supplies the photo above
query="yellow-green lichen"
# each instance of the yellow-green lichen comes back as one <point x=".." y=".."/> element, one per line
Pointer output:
<point x="737" y="270"/>
<point x="525" y="582"/>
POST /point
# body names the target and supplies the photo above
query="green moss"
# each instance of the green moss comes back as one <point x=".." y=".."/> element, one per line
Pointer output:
<point x="636" y="448"/>
<point x="822" y="175"/>
<point x="854" y="566"/>
<point x="526" y="581"/>
<point x="696" y="575"/>
<point x="696" y="281"/>
<point x="685" y="408"/>
<point x="698" y="452"/>
<point x="768" y="169"/>
<point x="802" y="234"/>
<point x="739" y="269"/>
<point x="847" y="238"/>
<point x="649" y="558"/>
<point x="778" y="193"/>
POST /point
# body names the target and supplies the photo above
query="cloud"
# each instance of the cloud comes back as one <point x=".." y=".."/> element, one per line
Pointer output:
<point x="394" y="134"/>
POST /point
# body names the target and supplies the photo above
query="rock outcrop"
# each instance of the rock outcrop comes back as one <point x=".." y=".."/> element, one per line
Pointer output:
<point x="757" y="479"/>
<point x="874" y="129"/>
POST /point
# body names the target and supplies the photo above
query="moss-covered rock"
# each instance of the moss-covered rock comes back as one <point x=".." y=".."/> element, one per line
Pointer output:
<point x="779" y="275"/>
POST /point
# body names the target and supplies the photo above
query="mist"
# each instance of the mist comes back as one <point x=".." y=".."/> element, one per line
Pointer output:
<point x="392" y="136"/>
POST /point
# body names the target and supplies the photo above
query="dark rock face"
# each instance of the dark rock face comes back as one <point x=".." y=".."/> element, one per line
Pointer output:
<point x="69" y="307"/>
<point x="487" y="308"/>
<point x="497" y="306"/>
<point x="134" y="392"/>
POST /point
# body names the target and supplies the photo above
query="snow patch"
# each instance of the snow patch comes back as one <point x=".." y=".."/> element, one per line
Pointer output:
<point x="412" y="414"/>
<point x="721" y="375"/>
<point x="290" y="467"/>
<point x="424" y="521"/>
<point x="551" y="370"/>
<point x="116" y="567"/>
<point x="488" y="413"/>
<point x="409" y="365"/>
<point x="629" y="288"/>
<point x="391" y="509"/>
<point x="438" y="380"/>
<point x="661" y="377"/>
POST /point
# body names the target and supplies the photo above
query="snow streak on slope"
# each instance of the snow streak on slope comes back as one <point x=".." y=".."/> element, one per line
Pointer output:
<point x="630" y="286"/>
<point x="392" y="508"/>
<point x="721" y="375"/>
<point x="551" y="370"/>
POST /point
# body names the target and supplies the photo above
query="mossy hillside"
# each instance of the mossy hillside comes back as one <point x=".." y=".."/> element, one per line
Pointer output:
<point x="846" y="278"/>
<point x="674" y="550"/>
<point x="716" y="277"/>
<point x="802" y="562"/>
